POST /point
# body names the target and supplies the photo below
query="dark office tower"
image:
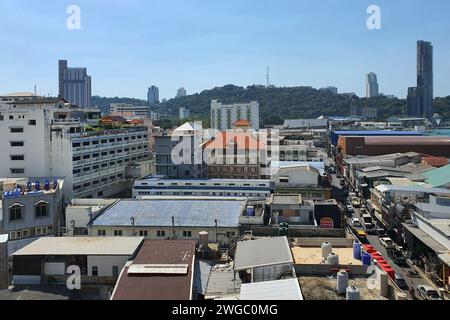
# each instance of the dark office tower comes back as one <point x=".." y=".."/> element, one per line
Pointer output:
<point x="414" y="102"/>
<point x="425" y="76"/>
<point x="74" y="85"/>
<point x="153" y="95"/>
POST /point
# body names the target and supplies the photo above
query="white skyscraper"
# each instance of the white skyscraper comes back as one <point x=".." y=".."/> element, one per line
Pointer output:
<point x="181" y="92"/>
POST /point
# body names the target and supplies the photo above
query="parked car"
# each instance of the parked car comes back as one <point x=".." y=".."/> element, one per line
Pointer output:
<point x="387" y="243"/>
<point x="400" y="281"/>
<point x="342" y="183"/>
<point x="380" y="232"/>
<point x="428" y="293"/>
<point x="339" y="176"/>
<point x="350" y="209"/>
<point x="397" y="256"/>
<point x="356" y="222"/>
<point x="370" y="229"/>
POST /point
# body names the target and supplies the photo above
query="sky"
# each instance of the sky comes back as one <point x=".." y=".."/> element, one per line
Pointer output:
<point x="129" y="45"/>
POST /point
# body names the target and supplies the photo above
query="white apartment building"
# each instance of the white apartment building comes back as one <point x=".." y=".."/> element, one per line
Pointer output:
<point x="138" y="111"/>
<point x="36" y="144"/>
<point x="155" y="186"/>
<point x="224" y="116"/>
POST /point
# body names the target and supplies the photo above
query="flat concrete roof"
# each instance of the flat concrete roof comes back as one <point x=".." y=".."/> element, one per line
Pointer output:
<point x="288" y="289"/>
<point x="308" y="255"/>
<point x="90" y="246"/>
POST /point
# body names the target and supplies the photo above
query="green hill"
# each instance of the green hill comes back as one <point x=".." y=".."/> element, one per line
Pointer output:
<point x="277" y="104"/>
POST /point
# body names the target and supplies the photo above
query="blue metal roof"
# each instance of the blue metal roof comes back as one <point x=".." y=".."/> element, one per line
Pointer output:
<point x="159" y="213"/>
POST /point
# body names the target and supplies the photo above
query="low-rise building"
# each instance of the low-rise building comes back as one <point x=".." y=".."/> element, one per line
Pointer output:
<point x="159" y="186"/>
<point x="161" y="270"/>
<point x="291" y="209"/>
<point x="173" y="218"/>
<point x="265" y="259"/>
<point x="46" y="260"/>
<point x="33" y="209"/>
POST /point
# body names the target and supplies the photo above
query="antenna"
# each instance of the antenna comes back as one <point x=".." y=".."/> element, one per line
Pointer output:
<point x="268" y="77"/>
<point x="35" y="90"/>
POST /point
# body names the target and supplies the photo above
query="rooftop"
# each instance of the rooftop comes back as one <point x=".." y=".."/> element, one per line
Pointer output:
<point x="387" y="188"/>
<point x="313" y="255"/>
<point x="186" y="212"/>
<point x="288" y="289"/>
<point x="438" y="177"/>
<point x="140" y="280"/>
<point x="262" y="252"/>
<point x="98" y="246"/>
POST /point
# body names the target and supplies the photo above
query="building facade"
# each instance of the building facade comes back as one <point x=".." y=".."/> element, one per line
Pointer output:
<point x="93" y="163"/>
<point x="125" y="108"/>
<point x="181" y="92"/>
<point x="74" y="85"/>
<point x="154" y="186"/>
<point x="224" y="116"/>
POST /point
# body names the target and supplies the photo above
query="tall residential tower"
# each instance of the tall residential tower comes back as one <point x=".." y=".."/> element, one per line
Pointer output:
<point x="74" y="85"/>
<point x="371" y="85"/>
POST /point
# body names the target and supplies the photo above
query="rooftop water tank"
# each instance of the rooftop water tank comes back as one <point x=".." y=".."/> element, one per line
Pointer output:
<point x="353" y="293"/>
<point x="251" y="211"/>
<point x="37" y="186"/>
<point x="283" y="232"/>
<point x="366" y="259"/>
<point x="47" y="185"/>
<point x="327" y="248"/>
<point x="204" y="239"/>
<point x="342" y="281"/>
<point x="357" y="249"/>
<point x="333" y="259"/>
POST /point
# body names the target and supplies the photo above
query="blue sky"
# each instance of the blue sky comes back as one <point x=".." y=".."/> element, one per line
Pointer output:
<point x="128" y="45"/>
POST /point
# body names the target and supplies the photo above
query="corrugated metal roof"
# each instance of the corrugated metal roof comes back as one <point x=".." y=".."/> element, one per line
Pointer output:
<point x="438" y="177"/>
<point x="81" y="246"/>
<point x="159" y="213"/>
<point x="425" y="238"/>
<point x="288" y="289"/>
<point x="262" y="252"/>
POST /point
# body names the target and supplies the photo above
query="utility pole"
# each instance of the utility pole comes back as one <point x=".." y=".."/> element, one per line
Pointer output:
<point x="133" y="223"/>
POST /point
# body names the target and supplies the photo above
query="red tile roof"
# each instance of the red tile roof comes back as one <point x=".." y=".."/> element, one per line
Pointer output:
<point x="435" y="161"/>
<point x="242" y="123"/>
<point x="159" y="287"/>
<point x="243" y="140"/>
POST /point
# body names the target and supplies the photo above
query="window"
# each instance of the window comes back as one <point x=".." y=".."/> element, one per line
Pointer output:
<point x="41" y="209"/>
<point x="17" y="170"/>
<point x="101" y="233"/>
<point x="117" y="233"/>
<point x="16" y="130"/>
<point x="15" y="212"/>
<point x="187" y="234"/>
<point x="16" y="143"/>
<point x="143" y="233"/>
<point x="76" y="145"/>
<point x="18" y="157"/>
<point x="160" y="234"/>
<point x="25" y="233"/>
<point x="87" y="156"/>
<point x="94" y="271"/>
<point x="31" y="122"/>
<point x="11" y="117"/>
<point x="78" y="158"/>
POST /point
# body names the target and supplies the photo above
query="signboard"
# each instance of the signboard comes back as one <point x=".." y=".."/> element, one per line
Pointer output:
<point x="326" y="223"/>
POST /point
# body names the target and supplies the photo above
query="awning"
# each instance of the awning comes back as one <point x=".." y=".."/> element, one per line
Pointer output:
<point x="425" y="238"/>
<point x="445" y="258"/>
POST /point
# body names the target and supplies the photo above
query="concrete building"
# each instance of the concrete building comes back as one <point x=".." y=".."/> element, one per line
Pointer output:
<point x="38" y="143"/>
<point x="33" y="209"/>
<point x="371" y="85"/>
<point x="266" y="259"/>
<point x="125" y="108"/>
<point x="6" y="99"/>
<point x="153" y="95"/>
<point x="224" y="116"/>
<point x="306" y="124"/>
<point x="291" y="209"/>
<point x="161" y="218"/>
<point x="161" y="270"/>
<point x="99" y="258"/>
<point x="187" y="141"/>
<point x="74" y="85"/>
<point x="158" y="186"/>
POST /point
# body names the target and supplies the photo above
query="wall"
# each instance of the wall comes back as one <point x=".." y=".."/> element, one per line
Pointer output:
<point x="105" y="264"/>
<point x="297" y="232"/>
<point x="270" y="273"/>
<point x="323" y="269"/>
